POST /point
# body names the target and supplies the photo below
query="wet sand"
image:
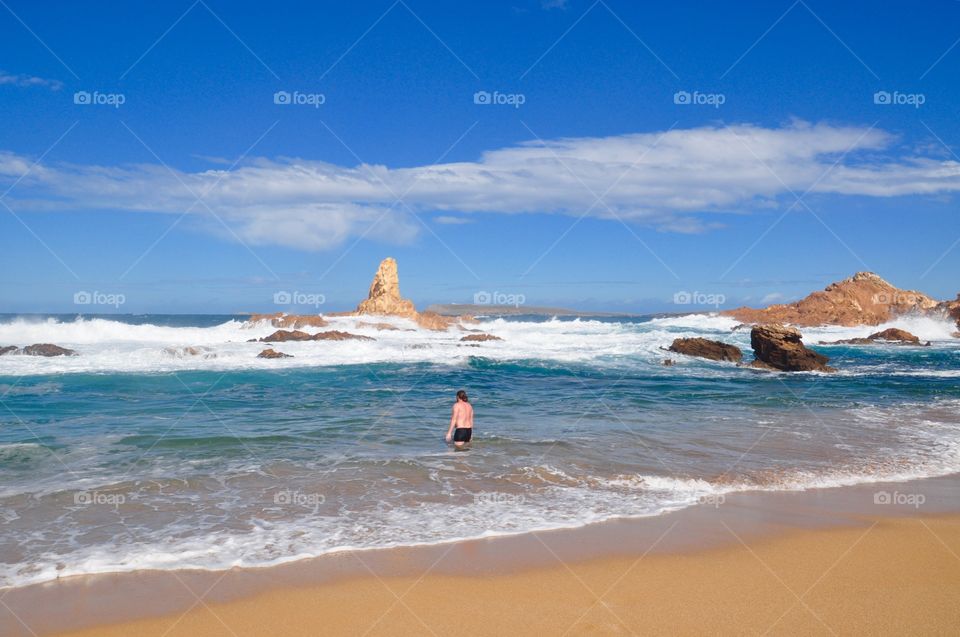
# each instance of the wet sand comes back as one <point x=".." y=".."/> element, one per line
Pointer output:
<point x="817" y="562"/>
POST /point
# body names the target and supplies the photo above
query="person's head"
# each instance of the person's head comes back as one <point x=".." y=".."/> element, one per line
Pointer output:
<point x="462" y="395"/>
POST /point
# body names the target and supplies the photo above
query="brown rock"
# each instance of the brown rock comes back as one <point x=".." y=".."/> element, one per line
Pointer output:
<point x="336" y="335"/>
<point x="182" y="352"/>
<point x="384" y="295"/>
<point x="951" y="309"/>
<point x="9" y="349"/>
<point x="704" y="348"/>
<point x="667" y="362"/>
<point x="779" y="347"/>
<point x="890" y="335"/>
<point x="281" y="336"/>
<point x="295" y="321"/>
<point x="434" y="321"/>
<point x="480" y="338"/>
<point x="955" y="335"/>
<point x="270" y="353"/>
<point x="46" y="349"/>
<point x="863" y="299"/>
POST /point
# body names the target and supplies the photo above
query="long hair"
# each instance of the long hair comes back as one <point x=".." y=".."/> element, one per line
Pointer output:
<point x="462" y="395"/>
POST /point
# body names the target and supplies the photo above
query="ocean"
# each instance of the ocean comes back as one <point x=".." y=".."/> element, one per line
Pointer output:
<point x="137" y="454"/>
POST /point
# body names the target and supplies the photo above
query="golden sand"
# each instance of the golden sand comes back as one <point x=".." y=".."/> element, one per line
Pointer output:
<point x="889" y="577"/>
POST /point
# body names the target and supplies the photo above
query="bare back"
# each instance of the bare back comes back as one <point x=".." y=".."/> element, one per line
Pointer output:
<point x="463" y="415"/>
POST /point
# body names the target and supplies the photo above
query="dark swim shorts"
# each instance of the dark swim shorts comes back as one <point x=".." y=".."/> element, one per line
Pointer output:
<point x="462" y="434"/>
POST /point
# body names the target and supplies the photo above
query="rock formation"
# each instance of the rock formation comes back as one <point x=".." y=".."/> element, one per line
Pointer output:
<point x="863" y="299"/>
<point x="295" y="321"/>
<point x="479" y="338"/>
<point x="887" y="336"/>
<point x="38" y="349"/>
<point x="281" y="336"/>
<point x="951" y="309"/>
<point x="384" y="296"/>
<point x="183" y="352"/>
<point x="780" y="348"/>
<point x="705" y="348"/>
<point x="270" y="353"/>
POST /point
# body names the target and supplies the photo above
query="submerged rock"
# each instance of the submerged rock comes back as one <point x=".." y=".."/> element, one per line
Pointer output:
<point x="46" y="349"/>
<point x="781" y="348"/>
<point x="281" y="336"/>
<point x="270" y="353"/>
<point x="705" y="348"/>
<point x="892" y="335"/>
<point x="479" y="338"/>
<point x="183" y="352"/>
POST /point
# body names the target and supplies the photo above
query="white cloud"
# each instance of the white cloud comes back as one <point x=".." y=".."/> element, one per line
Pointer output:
<point x="29" y="80"/>
<point x="672" y="181"/>
<point x="449" y="220"/>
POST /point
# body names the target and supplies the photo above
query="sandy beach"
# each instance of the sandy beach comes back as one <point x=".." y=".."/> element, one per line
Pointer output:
<point x="891" y="576"/>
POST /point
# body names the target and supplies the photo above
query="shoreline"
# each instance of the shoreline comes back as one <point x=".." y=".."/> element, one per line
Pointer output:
<point x="744" y="519"/>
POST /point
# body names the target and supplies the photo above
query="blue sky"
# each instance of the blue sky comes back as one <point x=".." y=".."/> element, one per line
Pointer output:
<point x="199" y="193"/>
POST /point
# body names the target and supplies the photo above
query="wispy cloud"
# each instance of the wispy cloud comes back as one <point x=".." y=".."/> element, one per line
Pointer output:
<point x="26" y="81"/>
<point x="672" y="180"/>
<point x="449" y="220"/>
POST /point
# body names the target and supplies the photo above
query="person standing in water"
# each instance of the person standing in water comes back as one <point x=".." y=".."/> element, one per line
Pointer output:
<point x="461" y="421"/>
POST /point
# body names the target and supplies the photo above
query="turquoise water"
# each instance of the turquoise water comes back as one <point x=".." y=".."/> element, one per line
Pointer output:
<point x="137" y="454"/>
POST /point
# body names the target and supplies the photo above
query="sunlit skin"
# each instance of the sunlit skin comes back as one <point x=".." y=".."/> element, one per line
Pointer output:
<point x="461" y="417"/>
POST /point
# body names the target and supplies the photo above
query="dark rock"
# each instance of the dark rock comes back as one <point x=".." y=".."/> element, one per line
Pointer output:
<point x="479" y="338"/>
<point x="668" y="362"/>
<point x="704" y="348"/>
<point x="46" y="349"/>
<point x="270" y="353"/>
<point x="336" y="335"/>
<point x="10" y="349"/>
<point x="781" y="348"/>
<point x="281" y="336"/>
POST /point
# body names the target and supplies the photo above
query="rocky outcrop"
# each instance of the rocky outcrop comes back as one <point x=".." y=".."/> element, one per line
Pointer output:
<point x="480" y="338"/>
<point x="281" y="336"/>
<point x="705" y="348"/>
<point x="295" y="321"/>
<point x="10" y="349"/>
<point x="781" y="348"/>
<point x="384" y="295"/>
<point x="892" y="335"/>
<point x="951" y="309"/>
<point x="45" y="349"/>
<point x="271" y="353"/>
<point x="384" y="299"/>
<point x="863" y="299"/>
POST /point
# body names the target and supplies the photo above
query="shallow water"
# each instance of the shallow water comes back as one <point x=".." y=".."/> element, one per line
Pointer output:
<point x="134" y="455"/>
